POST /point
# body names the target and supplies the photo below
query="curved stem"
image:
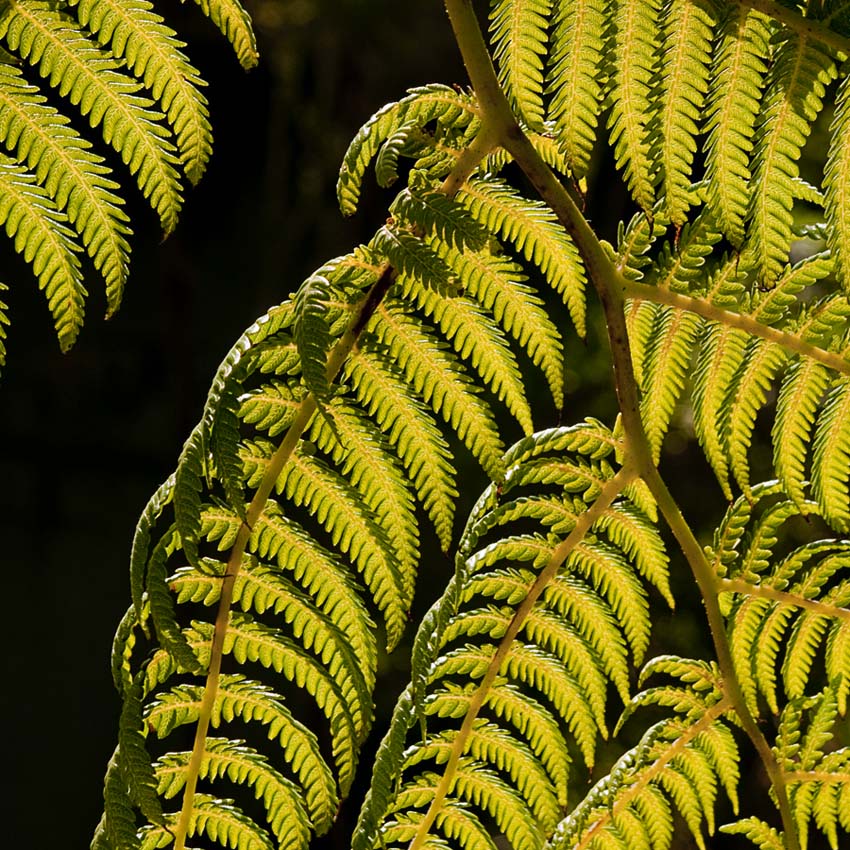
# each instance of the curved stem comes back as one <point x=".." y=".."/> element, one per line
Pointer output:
<point x="611" y="287"/>
<point x="466" y="163"/>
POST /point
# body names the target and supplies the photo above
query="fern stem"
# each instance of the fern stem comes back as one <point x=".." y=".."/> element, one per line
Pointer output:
<point x="763" y="591"/>
<point x="610" y="491"/>
<point x="809" y="27"/>
<point x="707" y="310"/>
<point x="466" y="163"/>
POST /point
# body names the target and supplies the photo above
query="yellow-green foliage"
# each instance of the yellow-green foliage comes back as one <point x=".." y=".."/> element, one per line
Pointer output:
<point x="286" y="545"/>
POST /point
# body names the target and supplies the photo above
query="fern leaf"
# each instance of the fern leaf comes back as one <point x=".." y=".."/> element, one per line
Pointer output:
<point x="575" y="78"/>
<point x="669" y="358"/>
<point x="117" y="827"/>
<point x="187" y="494"/>
<point x="687" y="54"/>
<point x="232" y="760"/>
<point x="763" y="836"/>
<point x="235" y="24"/>
<point x="831" y="454"/>
<point x="437" y="215"/>
<point x="763" y="360"/>
<point x="72" y="176"/>
<point x="436" y="376"/>
<point x="142" y="540"/>
<point x="241" y="699"/>
<point x="412" y="431"/>
<point x="533" y="228"/>
<point x="497" y="283"/>
<point x="87" y="76"/>
<point x="411" y="256"/>
<point x="480" y="343"/>
<point x="739" y="69"/>
<point x="312" y="334"/>
<point x="519" y="33"/>
<point x="219" y="820"/>
<point x="134" y="32"/>
<point x="796" y="83"/>
<point x="35" y="224"/>
<point x="634" y="64"/>
<point x="422" y="105"/>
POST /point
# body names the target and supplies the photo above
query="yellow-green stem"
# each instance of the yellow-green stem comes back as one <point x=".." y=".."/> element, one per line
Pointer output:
<point x="610" y="491"/>
<point x="467" y="162"/>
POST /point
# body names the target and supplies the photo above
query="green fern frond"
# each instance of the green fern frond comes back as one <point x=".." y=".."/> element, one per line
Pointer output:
<point x="135" y="33"/>
<point x="410" y="427"/>
<point x="519" y="31"/>
<point x="89" y="78"/>
<point x="686" y="58"/>
<point x="235" y="24"/>
<point x="763" y="836"/>
<point x="72" y="176"/>
<point x="636" y="50"/>
<point x="476" y="663"/>
<point x="435" y="214"/>
<point x="532" y="228"/>
<point x="477" y="340"/>
<point x="414" y="258"/>
<point x="831" y="452"/>
<point x="436" y="375"/>
<point x="497" y="283"/>
<point x="800" y="71"/>
<point x="37" y="227"/>
<point x="679" y="761"/>
<point x="243" y="765"/>
<point x="575" y="79"/>
<point x="430" y="103"/>
<point x="782" y="609"/>
<point x="733" y="105"/>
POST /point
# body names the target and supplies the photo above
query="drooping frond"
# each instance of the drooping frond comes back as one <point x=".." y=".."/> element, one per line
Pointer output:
<point x="800" y="70"/>
<point x="559" y="534"/>
<point x="73" y="176"/>
<point x="106" y="58"/>
<point x="636" y="46"/>
<point x="679" y="765"/>
<point x="531" y="227"/>
<point x="685" y="59"/>
<point x="738" y="75"/>
<point x="136" y="34"/>
<point x="575" y="79"/>
<point x="519" y="31"/>
<point x="235" y="24"/>
<point x="37" y="227"/>
<point x="784" y="612"/>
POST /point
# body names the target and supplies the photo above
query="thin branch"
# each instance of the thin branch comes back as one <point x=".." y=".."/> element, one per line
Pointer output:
<point x="704" y="308"/>
<point x="764" y="591"/>
<point x="808" y="27"/>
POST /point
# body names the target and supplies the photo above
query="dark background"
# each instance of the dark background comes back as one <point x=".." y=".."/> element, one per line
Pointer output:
<point x="85" y="438"/>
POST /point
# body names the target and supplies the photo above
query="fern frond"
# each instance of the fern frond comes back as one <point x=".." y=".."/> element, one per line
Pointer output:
<point x="235" y="24"/>
<point x="575" y="78"/>
<point x="134" y="32"/>
<point x="686" y="57"/>
<point x="497" y="283"/>
<point x="800" y="71"/>
<point x="72" y="176"/>
<point x="636" y="48"/>
<point x="519" y="31"/>
<point x="782" y="609"/>
<point x="831" y="453"/>
<point x="734" y="99"/>
<point x="430" y="103"/>
<point x="476" y="663"/>
<point x="436" y="375"/>
<point x="763" y="836"/>
<point x="37" y="227"/>
<point x="89" y="78"/>
<point x="533" y="229"/>
<point x="679" y="761"/>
